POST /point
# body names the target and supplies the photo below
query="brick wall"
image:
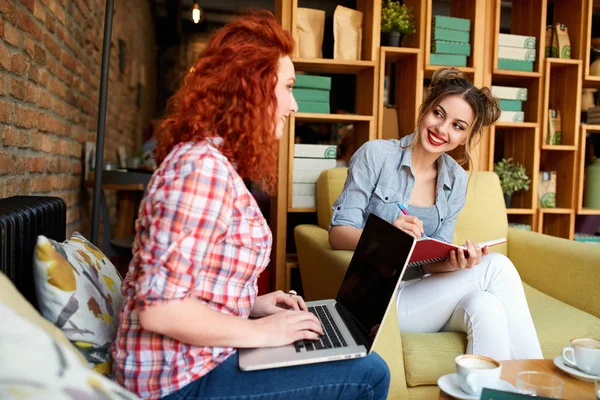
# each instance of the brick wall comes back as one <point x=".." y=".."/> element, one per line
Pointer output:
<point x="50" y="55"/>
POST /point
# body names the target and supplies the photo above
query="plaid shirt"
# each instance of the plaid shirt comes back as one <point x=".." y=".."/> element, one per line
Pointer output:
<point x="201" y="235"/>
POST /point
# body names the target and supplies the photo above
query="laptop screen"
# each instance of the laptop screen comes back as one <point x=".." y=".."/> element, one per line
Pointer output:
<point x="376" y="268"/>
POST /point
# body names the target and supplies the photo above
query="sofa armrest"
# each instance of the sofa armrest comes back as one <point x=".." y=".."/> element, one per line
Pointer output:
<point x="321" y="268"/>
<point x="563" y="269"/>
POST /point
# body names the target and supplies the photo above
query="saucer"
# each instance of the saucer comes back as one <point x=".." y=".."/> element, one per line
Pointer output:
<point x="574" y="372"/>
<point x="449" y="384"/>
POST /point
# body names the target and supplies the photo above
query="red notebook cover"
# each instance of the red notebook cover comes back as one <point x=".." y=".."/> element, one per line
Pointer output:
<point x="428" y="250"/>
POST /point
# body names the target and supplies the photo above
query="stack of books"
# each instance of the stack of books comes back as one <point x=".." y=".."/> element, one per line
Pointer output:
<point x="593" y="115"/>
<point x="312" y="93"/>
<point x="511" y="101"/>
<point x="309" y="161"/>
<point x="450" y="41"/>
<point x="516" y="52"/>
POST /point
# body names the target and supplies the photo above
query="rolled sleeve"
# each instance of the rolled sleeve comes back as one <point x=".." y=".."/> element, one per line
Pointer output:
<point x="363" y="173"/>
<point x="455" y="204"/>
<point x="187" y="216"/>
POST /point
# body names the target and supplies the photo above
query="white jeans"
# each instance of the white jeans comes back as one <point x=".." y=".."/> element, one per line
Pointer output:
<point x="487" y="302"/>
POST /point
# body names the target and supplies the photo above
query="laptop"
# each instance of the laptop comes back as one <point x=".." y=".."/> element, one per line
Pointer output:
<point x="351" y="321"/>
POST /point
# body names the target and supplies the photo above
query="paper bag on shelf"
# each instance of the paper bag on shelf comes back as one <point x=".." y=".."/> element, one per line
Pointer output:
<point x="547" y="189"/>
<point x="561" y="42"/>
<point x="554" y="127"/>
<point x="347" y="34"/>
<point x="549" y="42"/>
<point x="310" y="26"/>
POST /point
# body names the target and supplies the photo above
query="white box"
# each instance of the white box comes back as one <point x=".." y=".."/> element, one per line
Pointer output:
<point x="304" y="189"/>
<point x="314" y="164"/>
<point x="305" y="176"/>
<point x="315" y="151"/>
<point x="512" y="116"/>
<point x="509" y="93"/>
<point x="523" y="42"/>
<point x="304" y="201"/>
<point x="515" y="53"/>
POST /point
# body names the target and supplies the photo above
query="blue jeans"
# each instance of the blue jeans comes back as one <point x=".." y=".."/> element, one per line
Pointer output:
<point x="365" y="378"/>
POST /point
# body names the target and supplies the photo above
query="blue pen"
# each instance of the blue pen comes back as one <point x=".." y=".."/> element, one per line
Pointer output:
<point x="405" y="212"/>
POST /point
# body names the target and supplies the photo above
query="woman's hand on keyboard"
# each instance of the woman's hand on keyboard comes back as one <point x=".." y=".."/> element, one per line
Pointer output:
<point x="275" y="302"/>
<point x="285" y="328"/>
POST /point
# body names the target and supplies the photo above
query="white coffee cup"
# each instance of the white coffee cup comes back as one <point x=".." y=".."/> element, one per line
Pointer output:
<point x="476" y="372"/>
<point x="584" y="354"/>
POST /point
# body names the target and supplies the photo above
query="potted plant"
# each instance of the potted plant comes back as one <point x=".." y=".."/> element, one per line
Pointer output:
<point x="397" y="21"/>
<point x="513" y="177"/>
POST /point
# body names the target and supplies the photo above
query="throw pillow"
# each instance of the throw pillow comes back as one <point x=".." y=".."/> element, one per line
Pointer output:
<point x="78" y="290"/>
<point x="34" y="366"/>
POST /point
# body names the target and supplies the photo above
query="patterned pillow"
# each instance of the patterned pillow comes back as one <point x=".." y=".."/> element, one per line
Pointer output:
<point x="35" y="366"/>
<point x="78" y="290"/>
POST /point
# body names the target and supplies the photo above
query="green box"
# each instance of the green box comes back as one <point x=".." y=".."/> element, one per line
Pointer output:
<point x="515" y="65"/>
<point x="458" y="24"/>
<point x="510" y="105"/>
<point x="319" y="107"/>
<point x="448" y="60"/>
<point x="450" y="35"/>
<point x="313" y="82"/>
<point x="302" y="94"/>
<point x="444" y="47"/>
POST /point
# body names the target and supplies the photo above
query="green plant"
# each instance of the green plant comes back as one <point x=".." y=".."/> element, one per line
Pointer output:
<point x="397" y="18"/>
<point x="513" y="176"/>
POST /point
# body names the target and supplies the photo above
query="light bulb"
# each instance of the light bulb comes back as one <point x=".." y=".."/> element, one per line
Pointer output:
<point x="196" y="13"/>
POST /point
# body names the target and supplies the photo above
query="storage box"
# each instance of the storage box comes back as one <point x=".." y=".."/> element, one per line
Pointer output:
<point x="509" y="93"/>
<point x="448" y="59"/>
<point x="514" y="53"/>
<point x="515" y="65"/>
<point x="547" y="189"/>
<point x="512" y="116"/>
<point x="308" y="176"/>
<point x="304" y="201"/>
<point x="458" y="24"/>
<point x="450" y="35"/>
<point x="523" y="42"/>
<point x="313" y="82"/>
<point x="445" y="47"/>
<point x="510" y="105"/>
<point x="319" y="107"/>
<point x="315" y="151"/>
<point x="302" y="94"/>
<point x="304" y="189"/>
<point x="313" y="164"/>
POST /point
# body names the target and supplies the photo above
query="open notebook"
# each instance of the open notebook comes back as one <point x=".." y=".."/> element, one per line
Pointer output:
<point x="428" y="250"/>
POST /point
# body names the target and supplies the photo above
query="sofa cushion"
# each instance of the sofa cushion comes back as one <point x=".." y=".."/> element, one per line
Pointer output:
<point x="35" y="366"/>
<point x="557" y="322"/>
<point x="427" y="356"/>
<point x="79" y="291"/>
<point x="11" y="297"/>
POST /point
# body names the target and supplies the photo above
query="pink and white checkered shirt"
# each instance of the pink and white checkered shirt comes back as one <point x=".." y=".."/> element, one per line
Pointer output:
<point x="201" y="235"/>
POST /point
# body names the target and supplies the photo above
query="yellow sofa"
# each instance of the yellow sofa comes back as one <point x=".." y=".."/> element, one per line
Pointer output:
<point x="561" y="280"/>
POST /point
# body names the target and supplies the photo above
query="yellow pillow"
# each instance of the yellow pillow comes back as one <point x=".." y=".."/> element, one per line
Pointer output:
<point x="79" y="291"/>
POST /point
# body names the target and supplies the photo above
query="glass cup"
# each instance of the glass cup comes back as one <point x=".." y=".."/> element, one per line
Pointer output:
<point x="539" y="384"/>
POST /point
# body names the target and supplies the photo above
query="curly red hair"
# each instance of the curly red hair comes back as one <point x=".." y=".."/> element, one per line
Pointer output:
<point x="230" y="92"/>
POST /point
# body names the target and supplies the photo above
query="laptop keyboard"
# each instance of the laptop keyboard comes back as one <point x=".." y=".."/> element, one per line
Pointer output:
<point x="332" y="337"/>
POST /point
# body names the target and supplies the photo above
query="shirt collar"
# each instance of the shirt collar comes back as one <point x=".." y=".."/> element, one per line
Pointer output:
<point x="442" y="164"/>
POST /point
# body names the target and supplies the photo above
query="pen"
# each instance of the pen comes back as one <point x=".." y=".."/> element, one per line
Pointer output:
<point x="405" y="212"/>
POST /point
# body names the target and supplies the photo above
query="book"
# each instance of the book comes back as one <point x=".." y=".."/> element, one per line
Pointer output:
<point x="429" y="250"/>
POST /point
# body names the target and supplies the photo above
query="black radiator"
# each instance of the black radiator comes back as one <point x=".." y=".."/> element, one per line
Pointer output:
<point x="22" y="219"/>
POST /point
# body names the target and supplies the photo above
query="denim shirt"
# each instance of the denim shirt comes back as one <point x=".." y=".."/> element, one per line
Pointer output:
<point x="380" y="177"/>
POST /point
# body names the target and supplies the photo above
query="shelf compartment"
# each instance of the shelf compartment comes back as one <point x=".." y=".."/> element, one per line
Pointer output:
<point x="534" y="93"/>
<point x="563" y="162"/>
<point x="473" y="10"/>
<point x="591" y="81"/>
<point x="526" y="219"/>
<point x="525" y="19"/>
<point x="520" y="145"/>
<point x="571" y="14"/>
<point x="557" y="224"/>
<point x="404" y="67"/>
<point x="563" y="92"/>
<point x="581" y="154"/>
<point x="331" y="66"/>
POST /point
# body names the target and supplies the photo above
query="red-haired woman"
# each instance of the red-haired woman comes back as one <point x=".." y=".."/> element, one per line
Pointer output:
<point x="202" y="242"/>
